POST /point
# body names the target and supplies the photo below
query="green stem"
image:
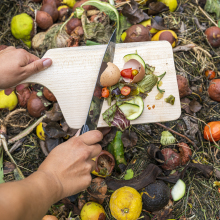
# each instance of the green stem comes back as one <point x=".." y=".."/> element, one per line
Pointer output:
<point x="161" y="77"/>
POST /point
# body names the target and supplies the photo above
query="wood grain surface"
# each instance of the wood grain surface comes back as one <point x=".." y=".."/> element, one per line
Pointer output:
<point x="74" y="71"/>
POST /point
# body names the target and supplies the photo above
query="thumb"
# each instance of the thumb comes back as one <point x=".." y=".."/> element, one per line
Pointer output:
<point x="37" y="66"/>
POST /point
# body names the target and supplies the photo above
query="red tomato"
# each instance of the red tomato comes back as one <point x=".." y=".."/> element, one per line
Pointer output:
<point x="210" y="74"/>
<point x="127" y="73"/>
<point x="105" y="92"/>
<point x="125" y="90"/>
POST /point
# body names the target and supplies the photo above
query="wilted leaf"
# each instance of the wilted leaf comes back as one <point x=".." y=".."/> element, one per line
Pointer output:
<point x="194" y="106"/>
<point x="51" y="143"/>
<point x="69" y="131"/>
<point x="55" y="114"/>
<point x="109" y="137"/>
<point x="185" y="105"/>
<point x="123" y="24"/>
<point x="133" y="13"/>
<point x="164" y="213"/>
<point x="100" y="32"/>
<point x="129" y="138"/>
<point x="157" y="22"/>
<point x="156" y="8"/>
<point x="213" y="6"/>
<point x="53" y="130"/>
<point x="104" y="130"/>
<point x="70" y="206"/>
<point x="8" y="167"/>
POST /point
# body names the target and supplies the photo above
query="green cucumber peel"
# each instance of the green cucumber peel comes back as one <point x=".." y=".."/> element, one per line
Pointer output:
<point x="178" y="191"/>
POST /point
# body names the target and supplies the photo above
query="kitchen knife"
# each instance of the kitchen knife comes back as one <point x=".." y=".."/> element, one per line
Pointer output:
<point x="96" y="102"/>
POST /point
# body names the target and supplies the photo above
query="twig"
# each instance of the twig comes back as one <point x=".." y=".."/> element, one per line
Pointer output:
<point x="5" y="146"/>
<point x="26" y="131"/>
<point x="198" y="24"/>
<point x="16" y="145"/>
<point x="181" y="135"/>
<point x="210" y="19"/>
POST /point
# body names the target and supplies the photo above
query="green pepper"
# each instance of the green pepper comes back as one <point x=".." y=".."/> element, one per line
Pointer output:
<point x="116" y="148"/>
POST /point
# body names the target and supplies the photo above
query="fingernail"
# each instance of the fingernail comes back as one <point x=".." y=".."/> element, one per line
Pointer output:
<point x="47" y="62"/>
<point x="8" y="91"/>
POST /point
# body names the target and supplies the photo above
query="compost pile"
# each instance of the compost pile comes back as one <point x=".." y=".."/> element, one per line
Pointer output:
<point x="170" y="169"/>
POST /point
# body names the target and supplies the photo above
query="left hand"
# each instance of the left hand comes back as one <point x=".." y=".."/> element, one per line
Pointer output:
<point x="16" y="65"/>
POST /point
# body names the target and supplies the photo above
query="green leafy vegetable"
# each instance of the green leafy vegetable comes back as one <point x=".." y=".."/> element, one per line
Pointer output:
<point x="129" y="174"/>
<point x="98" y="31"/>
<point x="109" y="114"/>
<point x="148" y="82"/>
<point x="149" y="69"/>
<point x="170" y="99"/>
<point x="108" y="9"/>
<point x="167" y="138"/>
<point x="213" y="6"/>
<point x="91" y="43"/>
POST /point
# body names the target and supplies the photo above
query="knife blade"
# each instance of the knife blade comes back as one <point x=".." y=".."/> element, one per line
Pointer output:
<point x="96" y="102"/>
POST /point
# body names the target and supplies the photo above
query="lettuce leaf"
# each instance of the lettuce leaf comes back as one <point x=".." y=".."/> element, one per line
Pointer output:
<point x="114" y="116"/>
<point x="213" y="6"/>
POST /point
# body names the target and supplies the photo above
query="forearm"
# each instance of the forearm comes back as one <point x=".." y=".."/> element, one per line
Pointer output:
<point x="29" y="198"/>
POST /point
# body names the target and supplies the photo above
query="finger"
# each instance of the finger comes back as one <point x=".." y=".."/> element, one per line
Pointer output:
<point x="9" y="91"/>
<point x="92" y="163"/>
<point x="36" y="66"/>
<point x="95" y="150"/>
<point x="77" y="133"/>
<point x="21" y="86"/>
<point x="91" y="137"/>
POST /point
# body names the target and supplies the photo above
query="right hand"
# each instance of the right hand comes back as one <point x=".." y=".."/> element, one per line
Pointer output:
<point x="70" y="163"/>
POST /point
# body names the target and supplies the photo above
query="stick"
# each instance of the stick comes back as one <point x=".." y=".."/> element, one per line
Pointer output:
<point x="26" y="131"/>
<point x="181" y="135"/>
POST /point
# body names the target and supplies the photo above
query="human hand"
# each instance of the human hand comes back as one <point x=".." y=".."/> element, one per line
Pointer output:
<point x="70" y="163"/>
<point x="17" y="65"/>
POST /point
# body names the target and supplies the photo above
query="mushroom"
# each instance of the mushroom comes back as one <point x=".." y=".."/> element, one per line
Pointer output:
<point x="49" y="95"/>
<point x="44" y="20"/>
<point x="23" y="97"/>
<point x="183" y="86"/>
<point x="213" y="36"/>
<point x="35" y="106"/>
<point x="185" y="152"/>
<point x="171" y="159"/>
<point x="51" y="10"/>
<point x="110" y="76"/>
<point x="72" y="24"/>
<point x="214" y="90"/>
<point x="136" y="33"/>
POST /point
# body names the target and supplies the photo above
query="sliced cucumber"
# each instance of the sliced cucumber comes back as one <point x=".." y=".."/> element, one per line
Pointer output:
<point x="128" y="57"/>
<point x="178" y="190"/>
<point x="137" y="101"/>
<point x="129" y="110"/>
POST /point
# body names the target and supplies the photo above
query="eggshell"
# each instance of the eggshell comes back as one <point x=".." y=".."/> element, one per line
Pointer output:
<point x="110" y="76"/>
<point x="134" y="64"/>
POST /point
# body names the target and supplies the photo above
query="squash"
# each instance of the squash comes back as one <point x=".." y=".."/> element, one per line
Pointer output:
<point x="215" y="131"/>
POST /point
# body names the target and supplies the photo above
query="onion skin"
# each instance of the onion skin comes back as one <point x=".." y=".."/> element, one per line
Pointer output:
<point x="51" y="10"/>
<point x="214" y="90"/>
<point x="49" y="95"/>
<point x="183" y="86"/>
<point x="213" y="36"/>
<point x="35" y="106"/>
<point x="23" y="97"/>
<point x="44" y="20"/>
<point x="171" y="159"/>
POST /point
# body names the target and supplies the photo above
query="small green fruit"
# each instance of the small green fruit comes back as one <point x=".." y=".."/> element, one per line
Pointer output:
<point x="21" y="28"/>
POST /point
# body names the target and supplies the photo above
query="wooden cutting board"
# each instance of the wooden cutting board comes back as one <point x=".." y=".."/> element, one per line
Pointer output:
<point x="74" y="71"/>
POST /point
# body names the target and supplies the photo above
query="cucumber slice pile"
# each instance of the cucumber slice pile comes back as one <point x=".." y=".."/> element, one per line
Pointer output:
<point x="128" y="57"/>
<point x="178" y="190"/>
<point x="133" y="108"/>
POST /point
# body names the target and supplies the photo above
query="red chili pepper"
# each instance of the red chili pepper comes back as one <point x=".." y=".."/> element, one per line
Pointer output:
<point x="125" y="90"/>
<point x="105" y="92"/>
<point x="127" y="73"/>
